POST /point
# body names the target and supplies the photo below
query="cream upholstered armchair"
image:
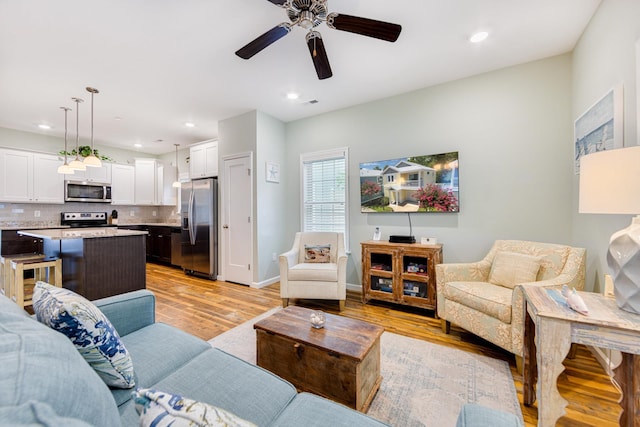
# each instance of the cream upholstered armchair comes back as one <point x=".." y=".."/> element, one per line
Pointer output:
<point x="314" y="268"/>
<point x="486" y="297"/>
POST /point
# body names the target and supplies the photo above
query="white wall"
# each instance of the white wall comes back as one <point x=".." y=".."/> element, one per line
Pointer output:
<point x="603" y="58"/>
<point x="270" y="197"/>
<point x="513" y="131"/>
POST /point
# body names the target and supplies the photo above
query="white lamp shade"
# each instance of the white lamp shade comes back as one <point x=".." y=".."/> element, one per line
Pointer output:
<point x="92" y="161"/>
<point x="77" y="165"/>
<point x="610" y="182"/>
<point x="65" y="169"/>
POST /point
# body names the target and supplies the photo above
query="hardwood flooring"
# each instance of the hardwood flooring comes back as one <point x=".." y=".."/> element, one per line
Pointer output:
<point x="207" y="308"/>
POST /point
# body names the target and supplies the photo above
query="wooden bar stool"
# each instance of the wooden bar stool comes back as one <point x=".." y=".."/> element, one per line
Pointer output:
<point x="41" y="271"/>
<point x="5" y="270"/>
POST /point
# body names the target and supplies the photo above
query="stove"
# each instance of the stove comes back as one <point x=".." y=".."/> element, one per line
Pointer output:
<point x="85" y="219"/>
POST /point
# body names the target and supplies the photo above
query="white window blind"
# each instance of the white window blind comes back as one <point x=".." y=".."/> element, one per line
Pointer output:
<point x="324" y="191"/>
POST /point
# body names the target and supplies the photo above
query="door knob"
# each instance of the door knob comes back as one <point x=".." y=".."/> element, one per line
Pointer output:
<point x="225" y="226"/>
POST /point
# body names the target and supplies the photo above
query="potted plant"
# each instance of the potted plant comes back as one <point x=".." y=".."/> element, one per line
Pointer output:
<point x="84" y="151"/>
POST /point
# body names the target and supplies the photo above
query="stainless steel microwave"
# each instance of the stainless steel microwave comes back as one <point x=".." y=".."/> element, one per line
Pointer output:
<point x="82" y="191"/>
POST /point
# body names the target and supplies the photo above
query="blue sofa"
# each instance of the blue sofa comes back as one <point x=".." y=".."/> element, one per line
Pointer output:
<point x="45" y="381"/>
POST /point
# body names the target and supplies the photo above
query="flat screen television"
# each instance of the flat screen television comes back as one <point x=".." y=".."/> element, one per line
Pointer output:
<point x="411" y="184"/>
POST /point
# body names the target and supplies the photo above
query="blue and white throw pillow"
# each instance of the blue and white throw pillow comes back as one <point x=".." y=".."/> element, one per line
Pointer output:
<point x="160" y="409"/>
<point x="88" y="329"/>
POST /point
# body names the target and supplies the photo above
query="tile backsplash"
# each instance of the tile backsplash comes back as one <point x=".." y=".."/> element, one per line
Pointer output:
<point x="47" y="215"/>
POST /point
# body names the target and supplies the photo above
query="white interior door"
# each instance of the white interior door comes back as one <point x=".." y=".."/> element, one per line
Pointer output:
<point x="237" y="221"/>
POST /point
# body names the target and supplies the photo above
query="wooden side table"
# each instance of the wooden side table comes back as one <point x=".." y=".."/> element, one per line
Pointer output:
<point x="556" y="326"/>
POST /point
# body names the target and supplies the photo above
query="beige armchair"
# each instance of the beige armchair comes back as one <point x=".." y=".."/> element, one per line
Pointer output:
<point x="486" y="297"/>
<point x="314" y="268"/>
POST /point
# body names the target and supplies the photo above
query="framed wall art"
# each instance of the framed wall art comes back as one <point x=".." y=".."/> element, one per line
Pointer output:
<point x="272" y="172"/>
<point x="600" y="127"/>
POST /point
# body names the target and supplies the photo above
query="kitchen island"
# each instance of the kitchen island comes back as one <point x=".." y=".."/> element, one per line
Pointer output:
<point x="97" y="262"/>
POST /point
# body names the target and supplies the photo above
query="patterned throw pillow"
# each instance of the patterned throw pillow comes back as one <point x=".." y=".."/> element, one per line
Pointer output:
<point x="511" y="268"/>
<point x="160" y="409"/>
<point x="317" y="253"/>
<point x="88" y="329"/>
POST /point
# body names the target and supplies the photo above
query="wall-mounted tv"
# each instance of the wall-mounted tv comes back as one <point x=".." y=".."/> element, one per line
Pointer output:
<point x="411" y="184"/>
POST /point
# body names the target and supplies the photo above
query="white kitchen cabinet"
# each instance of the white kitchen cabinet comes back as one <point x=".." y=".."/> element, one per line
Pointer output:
<point x="27" y="177"/>
<point x="146" y="190"/>
<point x="167" y="194"/>
<point x="123" y="180"/>
<point x="48" y="184"/>
<point x="102" y="174"/>
<point x="203" y="160"/>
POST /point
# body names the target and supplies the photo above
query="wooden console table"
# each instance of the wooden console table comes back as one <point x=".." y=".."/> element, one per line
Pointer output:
<point x="402" y="273"/>
<point x="556" y="327"/>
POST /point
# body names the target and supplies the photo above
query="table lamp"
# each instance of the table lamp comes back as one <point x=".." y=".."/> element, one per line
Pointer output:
<point x="610" y="183"/>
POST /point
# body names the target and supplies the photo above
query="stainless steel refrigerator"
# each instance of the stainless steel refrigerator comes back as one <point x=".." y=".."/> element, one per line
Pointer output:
<point x="199" y="236"/>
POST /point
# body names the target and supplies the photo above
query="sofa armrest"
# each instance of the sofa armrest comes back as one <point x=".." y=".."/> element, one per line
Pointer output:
<point x="467" y="272"/>
<point x="289" y="258"/>
<point x="130" y="311"/>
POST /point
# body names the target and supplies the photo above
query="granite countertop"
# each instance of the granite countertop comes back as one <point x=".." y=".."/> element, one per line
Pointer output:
<point x="80" y="233"/>
<point x="30" y="227"/>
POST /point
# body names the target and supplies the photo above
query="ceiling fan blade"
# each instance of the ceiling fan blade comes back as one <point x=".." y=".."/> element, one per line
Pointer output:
<point x="364" y="26"/>
<point x="271" y="36"/>
<point x="278" y="2"/>
<point x="319" y="55"/>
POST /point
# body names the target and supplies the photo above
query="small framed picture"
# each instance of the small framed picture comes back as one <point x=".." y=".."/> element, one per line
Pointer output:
<point x="272" y="171"/>
<point x="377" y="234"/>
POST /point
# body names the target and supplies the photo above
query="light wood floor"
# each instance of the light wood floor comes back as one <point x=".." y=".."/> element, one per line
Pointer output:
<point x="207" y="308"/>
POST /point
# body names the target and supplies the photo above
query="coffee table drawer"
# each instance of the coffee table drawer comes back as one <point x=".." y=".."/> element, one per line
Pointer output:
<point x="346" y="380"/>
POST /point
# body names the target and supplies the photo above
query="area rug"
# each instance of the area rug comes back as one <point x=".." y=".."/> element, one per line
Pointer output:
<point x="423" y="384"/>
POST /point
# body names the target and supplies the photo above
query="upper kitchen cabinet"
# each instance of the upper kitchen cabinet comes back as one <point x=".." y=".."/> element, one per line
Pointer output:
<point x="27" y="177"/>
<point x="203" y="160"/>
<point x="146" y="189"/>
<point x="101" y="174"/>
<point x="153" y="183"/>
<point x="123" y="184"/>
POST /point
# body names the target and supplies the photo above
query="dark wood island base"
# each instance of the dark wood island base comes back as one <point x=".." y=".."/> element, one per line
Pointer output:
<point x="97" y="263"/>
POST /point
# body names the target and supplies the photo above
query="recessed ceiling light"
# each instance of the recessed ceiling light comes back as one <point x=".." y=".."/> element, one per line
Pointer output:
<point x="137" y="145"/>
<point x="293" y="96"/>
<point x="479" y="37"/>
<point x="190" y="125"/>
<point x="43" y="126"/>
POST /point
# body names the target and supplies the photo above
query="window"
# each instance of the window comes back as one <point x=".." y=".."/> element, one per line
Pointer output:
<point x="325" y="191"/>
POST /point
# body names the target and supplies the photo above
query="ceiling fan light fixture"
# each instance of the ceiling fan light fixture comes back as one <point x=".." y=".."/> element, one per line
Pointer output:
<point x="306" y="20"/>
<point x="309" y="14"/>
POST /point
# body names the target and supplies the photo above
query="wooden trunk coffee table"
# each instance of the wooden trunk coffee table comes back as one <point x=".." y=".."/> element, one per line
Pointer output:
<point x="340" y="361"/>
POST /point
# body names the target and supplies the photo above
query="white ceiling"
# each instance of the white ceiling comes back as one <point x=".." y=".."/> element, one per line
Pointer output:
<point x="161" y="63"/>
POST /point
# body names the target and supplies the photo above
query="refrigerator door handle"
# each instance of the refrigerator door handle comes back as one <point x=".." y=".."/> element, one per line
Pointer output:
<point x="192" y="230"/>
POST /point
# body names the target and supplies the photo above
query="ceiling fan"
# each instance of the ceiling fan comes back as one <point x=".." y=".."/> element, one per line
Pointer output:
<point x="308" y="14"/>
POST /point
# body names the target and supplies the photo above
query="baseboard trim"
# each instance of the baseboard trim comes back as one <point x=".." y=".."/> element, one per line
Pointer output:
<point x="354" y="288"/>
<point x="265" y="283"/>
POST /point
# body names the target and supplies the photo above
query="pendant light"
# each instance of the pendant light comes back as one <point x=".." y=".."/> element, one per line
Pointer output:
<point x="77" y="164"/>
<point x="176" y="183"/>
<point x="91" y="160"/>
<point x="65" y="168"/>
